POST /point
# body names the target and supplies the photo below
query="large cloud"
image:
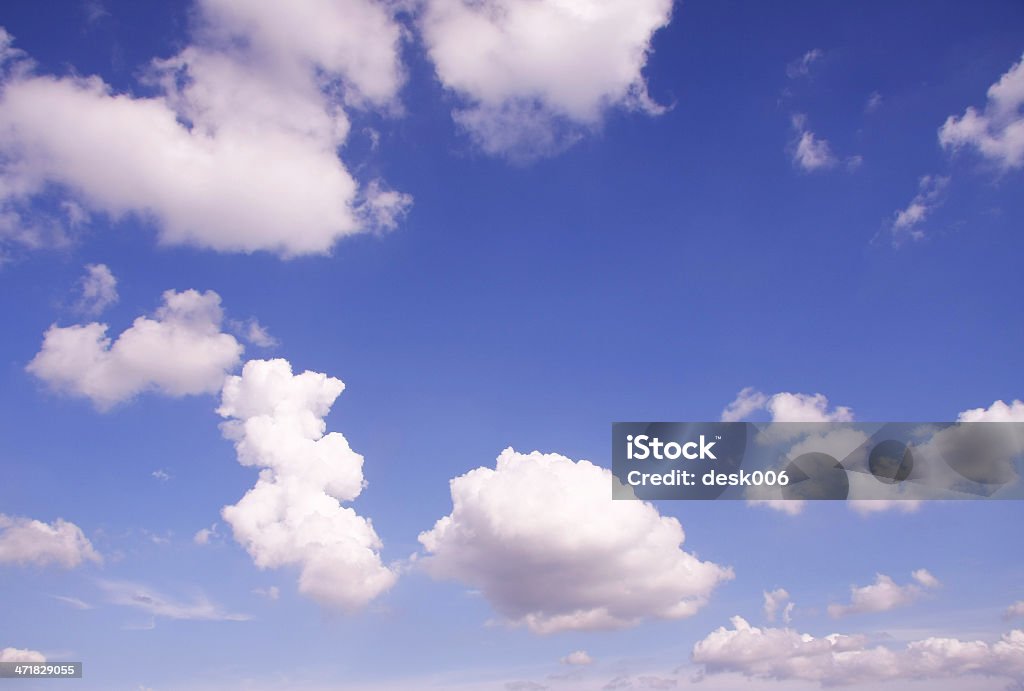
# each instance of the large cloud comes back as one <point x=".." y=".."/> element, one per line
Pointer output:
<point x="238" y="148"/>
<point x="27" y="541"/>
<point x="540" y="536"/>
<point x="836" y="659"/>
<point x="997" y="133"/>
<point x="180" y="351"/>
<point x="293" y="515"/>
<point x="885" y="594"/>
<point x="535" y="73"/>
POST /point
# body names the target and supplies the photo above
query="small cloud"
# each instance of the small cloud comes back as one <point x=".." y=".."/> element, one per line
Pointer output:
<point x="925" y="578"/>
<point x="271" y="593"/>
<point x="381" y="207"/>
<point x="775" y="600"/>
<point x="812" y="153"/>
<point x="98" y="289"/>
<point x="258" y="335"/>
<point x="204" y="535"/>
<point x="158" y="605"/>
<point x="907" y="222"/>
<point x="73" y="602"/>
<point x="577" y="657"/>
<point x="874" y="102"/>
<point x="1014" y="610"/>
<point x="161" y="475"/>
<point x="885" y="594"/>
<point x="801" y="67"/>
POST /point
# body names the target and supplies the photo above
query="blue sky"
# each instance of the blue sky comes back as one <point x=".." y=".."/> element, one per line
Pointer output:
<point x="501" y="224"/>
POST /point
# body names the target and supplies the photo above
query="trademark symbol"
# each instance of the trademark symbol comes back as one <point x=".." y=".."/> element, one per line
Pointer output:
<point x="718" y="437"/>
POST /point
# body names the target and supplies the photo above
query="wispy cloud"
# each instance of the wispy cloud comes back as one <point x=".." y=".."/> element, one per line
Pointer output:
<point x="801" y="67"/>
<point x="148" y="600"/>
<point x="72" y="602"/>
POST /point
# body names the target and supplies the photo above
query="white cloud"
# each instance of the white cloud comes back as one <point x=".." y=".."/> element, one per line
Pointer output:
<point x="179" y="352"/>
<point x="785" y="407"/>
<point x="540" y="537"/>
<point x="577" y="657"/>
<point x="238" y="148"/>
<point x="382" y="207"/>
<point x="774" y="601"/>
<point x="801" y="67"/>
<point x="21" y="655"/>
<point x="867" y="507"/>
<point x="99" y="289"/>
<point x="27" y="541"/>
<point x="925" y="578"/>
<point x="72" y="602"/>
<point x="271" y="593"/>
<point x="907" y="222"/>
<point x="1015" y="610"/>
<point x="885" y="594"/>
<point x="747" y="401"/>
<point x="161" y="475"/>
<point x="874" y="102"/>
<point x="536" y="74"/>
<point x="799" y="407"/>
<point x="258" y="335"/>
<point x="837" y="659"/>
<point x="204" y="535"/>
<point x="293" y="515"/>
<point x="997" y="133"/>
<point x="158" y="605"/>
<point x="810" y="152"/>
<point x="997" y="412"/>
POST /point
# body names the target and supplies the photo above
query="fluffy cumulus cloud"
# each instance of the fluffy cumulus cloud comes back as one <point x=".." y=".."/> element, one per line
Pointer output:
<point x="26" y="541"/>
<point x="538" y="536"/>
<point x="997" y="132"/>
<point x="997" y="412"/>
<point x="836" y="659"/>
<point x="785" y="407"/>
<point x="535" y="74"/>
<point x="885" y="594"/>
<point x="178" y="352"/>
<point x="1015" y="610"/>
<point x="294" y="516"/>
<point x="99" y="289"/>
<point x="237" y="147"/>
<point x="21" y="655"/>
